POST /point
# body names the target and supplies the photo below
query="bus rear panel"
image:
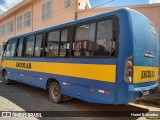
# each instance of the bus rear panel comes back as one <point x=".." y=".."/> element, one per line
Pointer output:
<point x="141" y="66"/>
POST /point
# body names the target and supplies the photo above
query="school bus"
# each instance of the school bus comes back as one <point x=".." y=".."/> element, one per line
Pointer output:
<point x="110" y="58"/>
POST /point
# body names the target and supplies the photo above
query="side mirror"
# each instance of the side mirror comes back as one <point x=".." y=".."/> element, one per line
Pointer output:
<point x="4" y="46"/>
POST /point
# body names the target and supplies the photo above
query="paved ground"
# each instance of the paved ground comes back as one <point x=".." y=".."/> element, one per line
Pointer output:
<point x="21" y="97"/>
<point x="153" y="100"/>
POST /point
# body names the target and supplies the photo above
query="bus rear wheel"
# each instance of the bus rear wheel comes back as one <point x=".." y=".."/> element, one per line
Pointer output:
<point x="5" y="79"/>
<point x="55" y="92"/>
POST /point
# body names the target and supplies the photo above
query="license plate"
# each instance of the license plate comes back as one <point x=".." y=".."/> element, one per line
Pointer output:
<point x="146" y="93"/>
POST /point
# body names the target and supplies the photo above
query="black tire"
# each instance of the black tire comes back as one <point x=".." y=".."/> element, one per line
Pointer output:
<point x="55" y="92"/>
<point x="5" y="79"/>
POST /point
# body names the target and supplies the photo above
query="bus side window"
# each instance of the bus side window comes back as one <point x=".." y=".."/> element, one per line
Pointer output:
<point x="52" y="45"/>
<point x="84" y="40"/>
<point x="64" y="44"/>
<point x="38" y="46"/>
<point x="30" y="46"/>
<point x="104" y="38"/>
<point x="7" y="52"/>
<point x="10" y="49"/>
<point x="20" y="48"/>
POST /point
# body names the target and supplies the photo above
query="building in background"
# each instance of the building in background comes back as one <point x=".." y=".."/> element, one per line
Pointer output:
<point x="31" y="15"/>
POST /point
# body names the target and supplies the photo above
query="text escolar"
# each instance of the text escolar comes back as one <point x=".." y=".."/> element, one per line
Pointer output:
<point x="23" y="65"/>
<point x="147" y="74"/>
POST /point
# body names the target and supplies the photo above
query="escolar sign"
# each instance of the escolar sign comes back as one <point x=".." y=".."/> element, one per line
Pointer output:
<point x="148" y="74"/>
<point x="23" y="65"/>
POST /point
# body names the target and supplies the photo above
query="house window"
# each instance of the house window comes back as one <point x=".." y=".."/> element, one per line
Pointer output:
<point x="47" y="10"/>
<point x="24" y="20"/>
<point x="6" y="28"/>
<point x="19" y="22"/>
<point x="3" y="29"/>
<point x="10" y="27"/>
<point x="67" y="3"/>
<point x="27" y="19"/>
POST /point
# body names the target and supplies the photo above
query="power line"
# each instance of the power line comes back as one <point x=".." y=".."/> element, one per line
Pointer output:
<point x="103" y="4"/>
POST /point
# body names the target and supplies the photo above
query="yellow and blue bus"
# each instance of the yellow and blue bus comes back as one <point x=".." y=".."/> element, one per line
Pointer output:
<point x="110" y="58"/>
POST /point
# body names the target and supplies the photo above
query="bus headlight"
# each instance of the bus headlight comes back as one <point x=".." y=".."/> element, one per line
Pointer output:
<point x="128" y="73"/>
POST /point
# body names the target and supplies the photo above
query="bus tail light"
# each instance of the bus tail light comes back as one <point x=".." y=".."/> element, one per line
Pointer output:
<point x="128" y="74"/>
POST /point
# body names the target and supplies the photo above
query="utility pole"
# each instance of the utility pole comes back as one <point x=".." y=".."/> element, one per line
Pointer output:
<point x="76" y="9"/>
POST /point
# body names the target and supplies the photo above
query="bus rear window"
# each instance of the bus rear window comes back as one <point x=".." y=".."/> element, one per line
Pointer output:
<point x="153" y="29"/>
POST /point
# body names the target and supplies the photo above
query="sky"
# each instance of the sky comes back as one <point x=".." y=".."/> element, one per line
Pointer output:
<point x="95" y="3"/>
<point x="7" y="4"/>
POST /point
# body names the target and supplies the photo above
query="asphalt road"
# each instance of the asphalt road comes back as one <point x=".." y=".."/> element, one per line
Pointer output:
<point x="21" y="97"/>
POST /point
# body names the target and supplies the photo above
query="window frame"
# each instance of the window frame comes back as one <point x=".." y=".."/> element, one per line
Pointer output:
<point x="44" y="12"/>
<point x="12" y="40"/>
<point x="96" y="37"/>
<point x="155" y="29"/>
<point x="69" y="33"/>
<point x="46" y="42"/>
<point x="25" y="45"/>
<point x="64" y="4"/>
<point x="7" y="28"/>
<point x="25" y="19"/>
<point x="20" y="24"/>
<point x="4" y="29"/>
<point x="71" y="38"/>
<point x="1" y="31"/>
<point x="42" y="46"/>
<point x="96" y="21"/>
<point x="10" y="24"/>
<point x="74" y="36"/>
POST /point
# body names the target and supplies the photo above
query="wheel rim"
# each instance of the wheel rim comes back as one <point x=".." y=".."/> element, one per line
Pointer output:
<point x="5" y="77"/>
<point x="55" y="92"/>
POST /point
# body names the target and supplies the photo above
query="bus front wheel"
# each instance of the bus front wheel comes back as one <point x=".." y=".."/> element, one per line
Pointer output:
<point x="55" y="92"/>
<point x="5" y="79"/>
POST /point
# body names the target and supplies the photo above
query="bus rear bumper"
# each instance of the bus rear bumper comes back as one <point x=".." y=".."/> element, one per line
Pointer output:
<point x="128" y="93"/>
<point x="132" y="88"/>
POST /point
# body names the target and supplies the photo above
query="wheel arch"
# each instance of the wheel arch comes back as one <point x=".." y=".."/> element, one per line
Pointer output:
<point x="50" y="80"/>
<point x="3" y="70"/>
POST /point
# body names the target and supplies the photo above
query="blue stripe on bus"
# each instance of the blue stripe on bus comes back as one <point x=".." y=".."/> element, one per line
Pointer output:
<point x="73" y="90"/>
